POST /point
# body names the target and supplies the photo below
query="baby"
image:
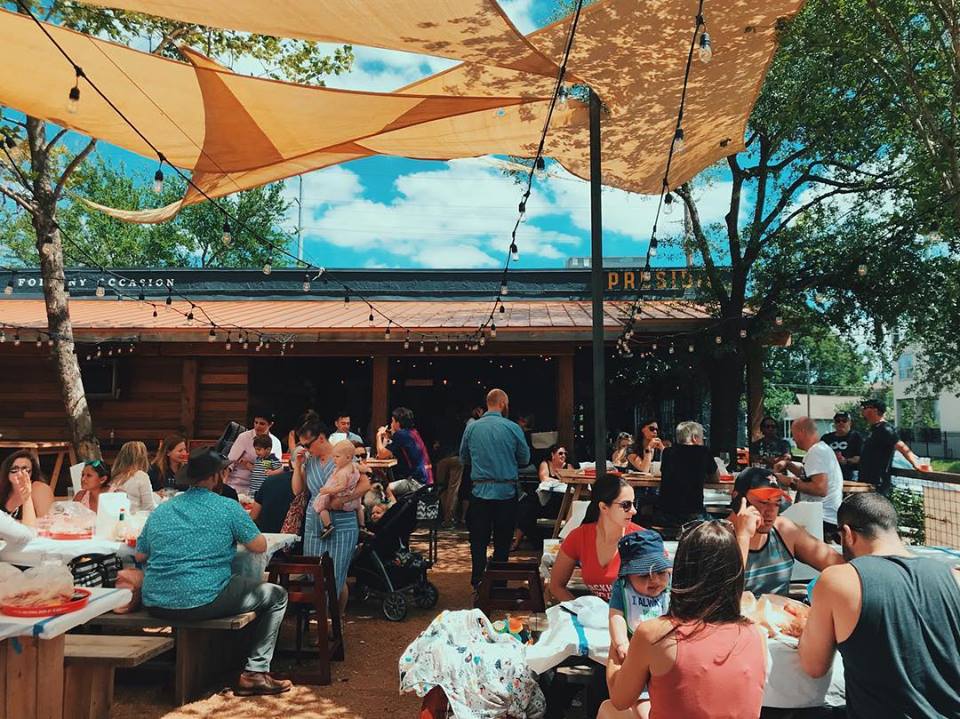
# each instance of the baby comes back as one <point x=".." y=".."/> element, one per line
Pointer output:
<point x="640" y="593"/>
<point x="342" y="483"/>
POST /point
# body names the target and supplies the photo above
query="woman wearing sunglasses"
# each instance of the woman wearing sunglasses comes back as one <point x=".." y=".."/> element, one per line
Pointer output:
<point x="23" y="493"/>
<point x="647" y="448"/>
<point x="703" y="659"/>
<point x="594" y="543"/>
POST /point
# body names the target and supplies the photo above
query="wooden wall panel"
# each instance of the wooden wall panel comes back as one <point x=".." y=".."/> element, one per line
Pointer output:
<point x="222" y="394"/>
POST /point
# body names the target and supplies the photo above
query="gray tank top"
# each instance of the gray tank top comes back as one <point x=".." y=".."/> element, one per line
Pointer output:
<point x="769" y="568"/>
<point x="903" y="657"/>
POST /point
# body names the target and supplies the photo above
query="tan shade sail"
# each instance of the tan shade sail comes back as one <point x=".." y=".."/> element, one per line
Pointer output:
<point x="475" y="31"/>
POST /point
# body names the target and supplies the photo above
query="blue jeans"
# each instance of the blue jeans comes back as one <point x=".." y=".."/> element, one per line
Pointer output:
<point x="243" y="594"/>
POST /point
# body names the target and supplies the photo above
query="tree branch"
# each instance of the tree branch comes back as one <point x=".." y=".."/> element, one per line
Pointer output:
<point x="19" y="199"/>
<point x="169" y="39"/>
<point x="703" y="246"/>
<point x="74" y="163"/>
<point x="56" y="139"/>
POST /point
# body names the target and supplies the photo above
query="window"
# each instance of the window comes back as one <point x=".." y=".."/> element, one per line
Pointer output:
<point x="905" y="367"/>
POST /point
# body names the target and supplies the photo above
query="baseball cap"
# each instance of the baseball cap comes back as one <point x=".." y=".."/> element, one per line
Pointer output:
<point x="841" y="416"/>
<point x="642" y="553"/>
<point x="203" y="463"/>
<point x="757" y="482"/>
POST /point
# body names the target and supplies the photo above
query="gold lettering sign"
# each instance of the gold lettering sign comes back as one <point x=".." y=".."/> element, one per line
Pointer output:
<point x="671" y="280"/>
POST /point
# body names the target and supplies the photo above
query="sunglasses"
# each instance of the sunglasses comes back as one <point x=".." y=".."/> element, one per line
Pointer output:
<point x="626" y="505"/>
<point x="21" y="470"/>
<point x="840" y="420"/>
<point x="561" y="452"/>
<point x="94" y="463"/>
<point x="653" y="429"/>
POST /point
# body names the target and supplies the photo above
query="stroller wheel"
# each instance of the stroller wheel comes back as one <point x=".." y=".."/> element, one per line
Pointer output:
<point x="395" y="607"/>
<point x="426" y="595"/>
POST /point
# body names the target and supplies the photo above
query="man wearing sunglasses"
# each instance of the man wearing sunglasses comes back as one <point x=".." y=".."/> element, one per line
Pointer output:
<point x="771" y="544"/>
<point x="846" y="443"/>
<point x="894" y="618"/>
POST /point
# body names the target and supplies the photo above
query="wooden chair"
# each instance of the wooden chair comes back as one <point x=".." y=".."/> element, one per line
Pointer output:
<point x="495" y="591"/>
<point x="312" y="589"/>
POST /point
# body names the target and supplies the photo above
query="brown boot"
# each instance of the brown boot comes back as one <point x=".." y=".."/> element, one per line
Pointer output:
<point x="259" y="684"/>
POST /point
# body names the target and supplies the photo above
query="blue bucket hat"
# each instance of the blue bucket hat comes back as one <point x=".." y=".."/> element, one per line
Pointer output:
<point x="642" y="553"/>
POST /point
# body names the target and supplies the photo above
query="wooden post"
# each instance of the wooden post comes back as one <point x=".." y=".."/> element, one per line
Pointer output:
<point x="188" y="398"/>
<point x="754" y="389"/>
<point x="380" y="389"/>
<point x="564" y="396"/>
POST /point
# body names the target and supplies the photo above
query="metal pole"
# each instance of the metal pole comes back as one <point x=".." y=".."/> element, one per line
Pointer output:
<point x="597" y="286"/>
<point x="809" y="387"/>
<point x="300" y="221"/>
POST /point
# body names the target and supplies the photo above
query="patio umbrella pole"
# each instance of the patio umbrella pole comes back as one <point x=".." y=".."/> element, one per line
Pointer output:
<point x="596" y="277"/>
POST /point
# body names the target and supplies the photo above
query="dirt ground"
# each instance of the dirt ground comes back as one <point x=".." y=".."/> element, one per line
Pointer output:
<point x="365" y="685"/>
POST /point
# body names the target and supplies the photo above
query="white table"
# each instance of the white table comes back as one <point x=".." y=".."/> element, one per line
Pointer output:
<point x="31" y="656"/>
<point x="32" y="555"/>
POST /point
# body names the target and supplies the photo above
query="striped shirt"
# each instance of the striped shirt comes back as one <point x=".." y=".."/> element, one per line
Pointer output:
<point x="769" y="568"/>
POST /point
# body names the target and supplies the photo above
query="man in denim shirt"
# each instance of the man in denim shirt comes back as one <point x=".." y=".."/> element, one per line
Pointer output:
<point x="189" y="543"/>
<point x="494" y="447"/>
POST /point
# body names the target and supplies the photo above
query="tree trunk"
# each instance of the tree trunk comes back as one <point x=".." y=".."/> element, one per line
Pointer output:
<point x="726" y="390"/>
<point x="50" y="251"/>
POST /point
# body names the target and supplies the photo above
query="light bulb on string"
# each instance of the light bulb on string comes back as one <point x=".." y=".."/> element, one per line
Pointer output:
<point x="421" y="346"/>
<point x="670" y="349"/>
<point x="678" y="141"/>
<point x="406" y="341"/>
<point x="306" y="282"/>
<point x="8" y="290"/>
<point x="493" y="331"/>
<point x="436" y="347"/>
<point x="73" y="100"/>
<point x="562" y="94"/>
<point x="483" y="340"/>
<point x="668" y="204"/>
<point x="689" y="348"/>
<point x="158" y="181"/>
<point x="706" y="47"/>
<point x="227" y="237"/>
<point x="212" y="337"/>
<point x="3" y="337"/>
<point x="246" y="342"/>
<point x="718" y="339"/>
<point x="503" y="287"/>
<point x="169" y="300"/>
<point x="386" y="332"/>
<point x="514" y="252"/>
<point x="154" y="311"/>
<point x="267" y="269"/>
<point x="229" y="345"/>
<point x="49" y="340"/>
<point x="502" y="308"/>
<point x="346" y="298"/>
<point x="540" y="164"/>
<point x="653" y="246"/>
<point x="16" y="339"/>
<point x="370" y="317"/>
<point x="190" y="313"/>
<point x="862" y="270"/>
<point x="101" y="290"/>
<point x="39" y="342"/>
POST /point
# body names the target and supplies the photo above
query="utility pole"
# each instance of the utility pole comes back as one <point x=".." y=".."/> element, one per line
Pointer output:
<point x="300" y="220"/>
<point x="597" y="287"/>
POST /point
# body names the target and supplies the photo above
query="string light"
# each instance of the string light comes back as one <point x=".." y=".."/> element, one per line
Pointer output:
<point x="227" y="237"/>
<point x="652" y="250"/>
<point x="386" y="332"/>
<point x="718" y="339"/>
<point x="493" y="331"/>
<point x="706" y="47"/>
<point x="514" y="252"/>
<point x="421" y="346"/>
<point x="267" y="268"/>
<point x="169" y="299"/>
<point x="39" y="342"/>
<point x="306" y="282"/>
<point x="370" y="317"/>
<point x="346" y="298"/>
<point x="502" y="309"/>
<point x="100" y="291"/>
<point x="16" y="339"/>
<point x="406" y="341"/>
<point x="862" y="270"/>
<point x="3" y="337"/>
<point x="8" y="290"/>
<point x="190" y="313"/>
<point x="154" y="311"/>
<point x="212" y="337"/>
<point x="229" y="345"/>
<point x="678" y="142"/>
<point x="503" y="287"/>
<point x="158" y="181"/>
<point x="668" y="204"/>
<point x="73" y="98"/>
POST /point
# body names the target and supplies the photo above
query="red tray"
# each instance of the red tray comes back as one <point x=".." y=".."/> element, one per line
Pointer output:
<point x="71" y="535"/>
<point x="79" y="601"/>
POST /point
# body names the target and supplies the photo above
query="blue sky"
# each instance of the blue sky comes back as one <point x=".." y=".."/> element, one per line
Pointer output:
<point x="393" y="212"/>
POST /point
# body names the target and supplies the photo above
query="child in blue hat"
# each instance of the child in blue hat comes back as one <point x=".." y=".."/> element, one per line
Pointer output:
<point x="641" y="590"/>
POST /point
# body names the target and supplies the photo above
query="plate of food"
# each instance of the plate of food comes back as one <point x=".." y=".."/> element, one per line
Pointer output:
<point x="780" y="616"/>
<point x="39" y="604"/>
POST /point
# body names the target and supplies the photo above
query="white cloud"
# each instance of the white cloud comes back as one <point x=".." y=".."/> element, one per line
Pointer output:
<point x="521" y="13"/>
<point x="320" y="190"/>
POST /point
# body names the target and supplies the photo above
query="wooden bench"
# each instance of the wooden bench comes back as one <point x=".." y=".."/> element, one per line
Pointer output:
<point x="89" y="663"/>
<point x="205" y="651"/>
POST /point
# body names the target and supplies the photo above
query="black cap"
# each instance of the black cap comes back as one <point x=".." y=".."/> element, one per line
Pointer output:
<point x="203" y="463"/>
<point x="841" y="415"/>
<point x="642" y="553"/>
<point x="877" y="404"/>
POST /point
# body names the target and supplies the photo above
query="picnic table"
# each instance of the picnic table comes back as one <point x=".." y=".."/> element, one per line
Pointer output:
<point x="60" y="450"/>
<point x="32" y="656"/>
<point x="37" y="550"/>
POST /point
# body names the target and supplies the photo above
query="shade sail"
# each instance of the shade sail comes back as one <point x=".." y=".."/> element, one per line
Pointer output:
<point x="236" y="132"/>
<point x="475" y="31"/>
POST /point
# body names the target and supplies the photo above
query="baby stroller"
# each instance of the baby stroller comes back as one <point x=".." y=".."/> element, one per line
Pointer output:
<point x="384" y="567"/>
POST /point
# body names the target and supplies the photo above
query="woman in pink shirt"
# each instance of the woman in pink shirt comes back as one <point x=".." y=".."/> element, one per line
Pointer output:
<point x="594" y="543"/>
<point x="703" y="659"/>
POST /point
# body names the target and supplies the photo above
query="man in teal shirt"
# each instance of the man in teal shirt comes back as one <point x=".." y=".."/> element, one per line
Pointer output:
<point x="494" y="447"/>
<point x="189" y="543"/>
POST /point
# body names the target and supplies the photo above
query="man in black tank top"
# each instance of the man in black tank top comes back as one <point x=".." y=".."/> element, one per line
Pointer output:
<point x="894" y="617"/>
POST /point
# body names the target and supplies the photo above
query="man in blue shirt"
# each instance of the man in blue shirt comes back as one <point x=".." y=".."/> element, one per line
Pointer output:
<point x="494" y="447"/>
<point x="189" y="543"/>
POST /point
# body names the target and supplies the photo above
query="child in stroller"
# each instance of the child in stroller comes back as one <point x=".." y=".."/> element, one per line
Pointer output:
<point x="384" y="567"/>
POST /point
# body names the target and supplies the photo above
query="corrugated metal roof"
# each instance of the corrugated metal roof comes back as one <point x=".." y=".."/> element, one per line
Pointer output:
<point x="334" y="318"/>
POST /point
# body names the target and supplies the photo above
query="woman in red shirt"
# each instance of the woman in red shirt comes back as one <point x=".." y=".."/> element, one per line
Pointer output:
<point x="594" y="543"/>
<point x="703" y="659"/>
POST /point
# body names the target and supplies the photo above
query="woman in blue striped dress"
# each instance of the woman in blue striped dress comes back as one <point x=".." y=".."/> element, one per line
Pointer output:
<point x="312" y="469"/>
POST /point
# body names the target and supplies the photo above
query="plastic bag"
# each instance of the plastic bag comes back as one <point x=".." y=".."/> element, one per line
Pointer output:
<point x="47" y="584"/>
<point x="68" y="519"/>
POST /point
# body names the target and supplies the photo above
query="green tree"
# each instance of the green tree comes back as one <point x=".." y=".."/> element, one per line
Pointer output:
<point x="38" y="169"/>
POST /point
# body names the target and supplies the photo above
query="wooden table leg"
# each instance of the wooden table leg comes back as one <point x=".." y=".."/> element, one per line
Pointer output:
<point x="31" y="677"/>
<point x="564" y="509"/>
<point x="55" y="475"/>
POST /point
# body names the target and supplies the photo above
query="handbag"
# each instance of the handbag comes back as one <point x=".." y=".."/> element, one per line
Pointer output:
<point x="293" y="522"/>
<point x="95" y="570"/>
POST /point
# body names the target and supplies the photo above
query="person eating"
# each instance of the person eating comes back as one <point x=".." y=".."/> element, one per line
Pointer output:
<point x="771" y="544"/>
<point x="647" y="449"/>
<point x="188" y="544"/>
<point x="24" y="495"/>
